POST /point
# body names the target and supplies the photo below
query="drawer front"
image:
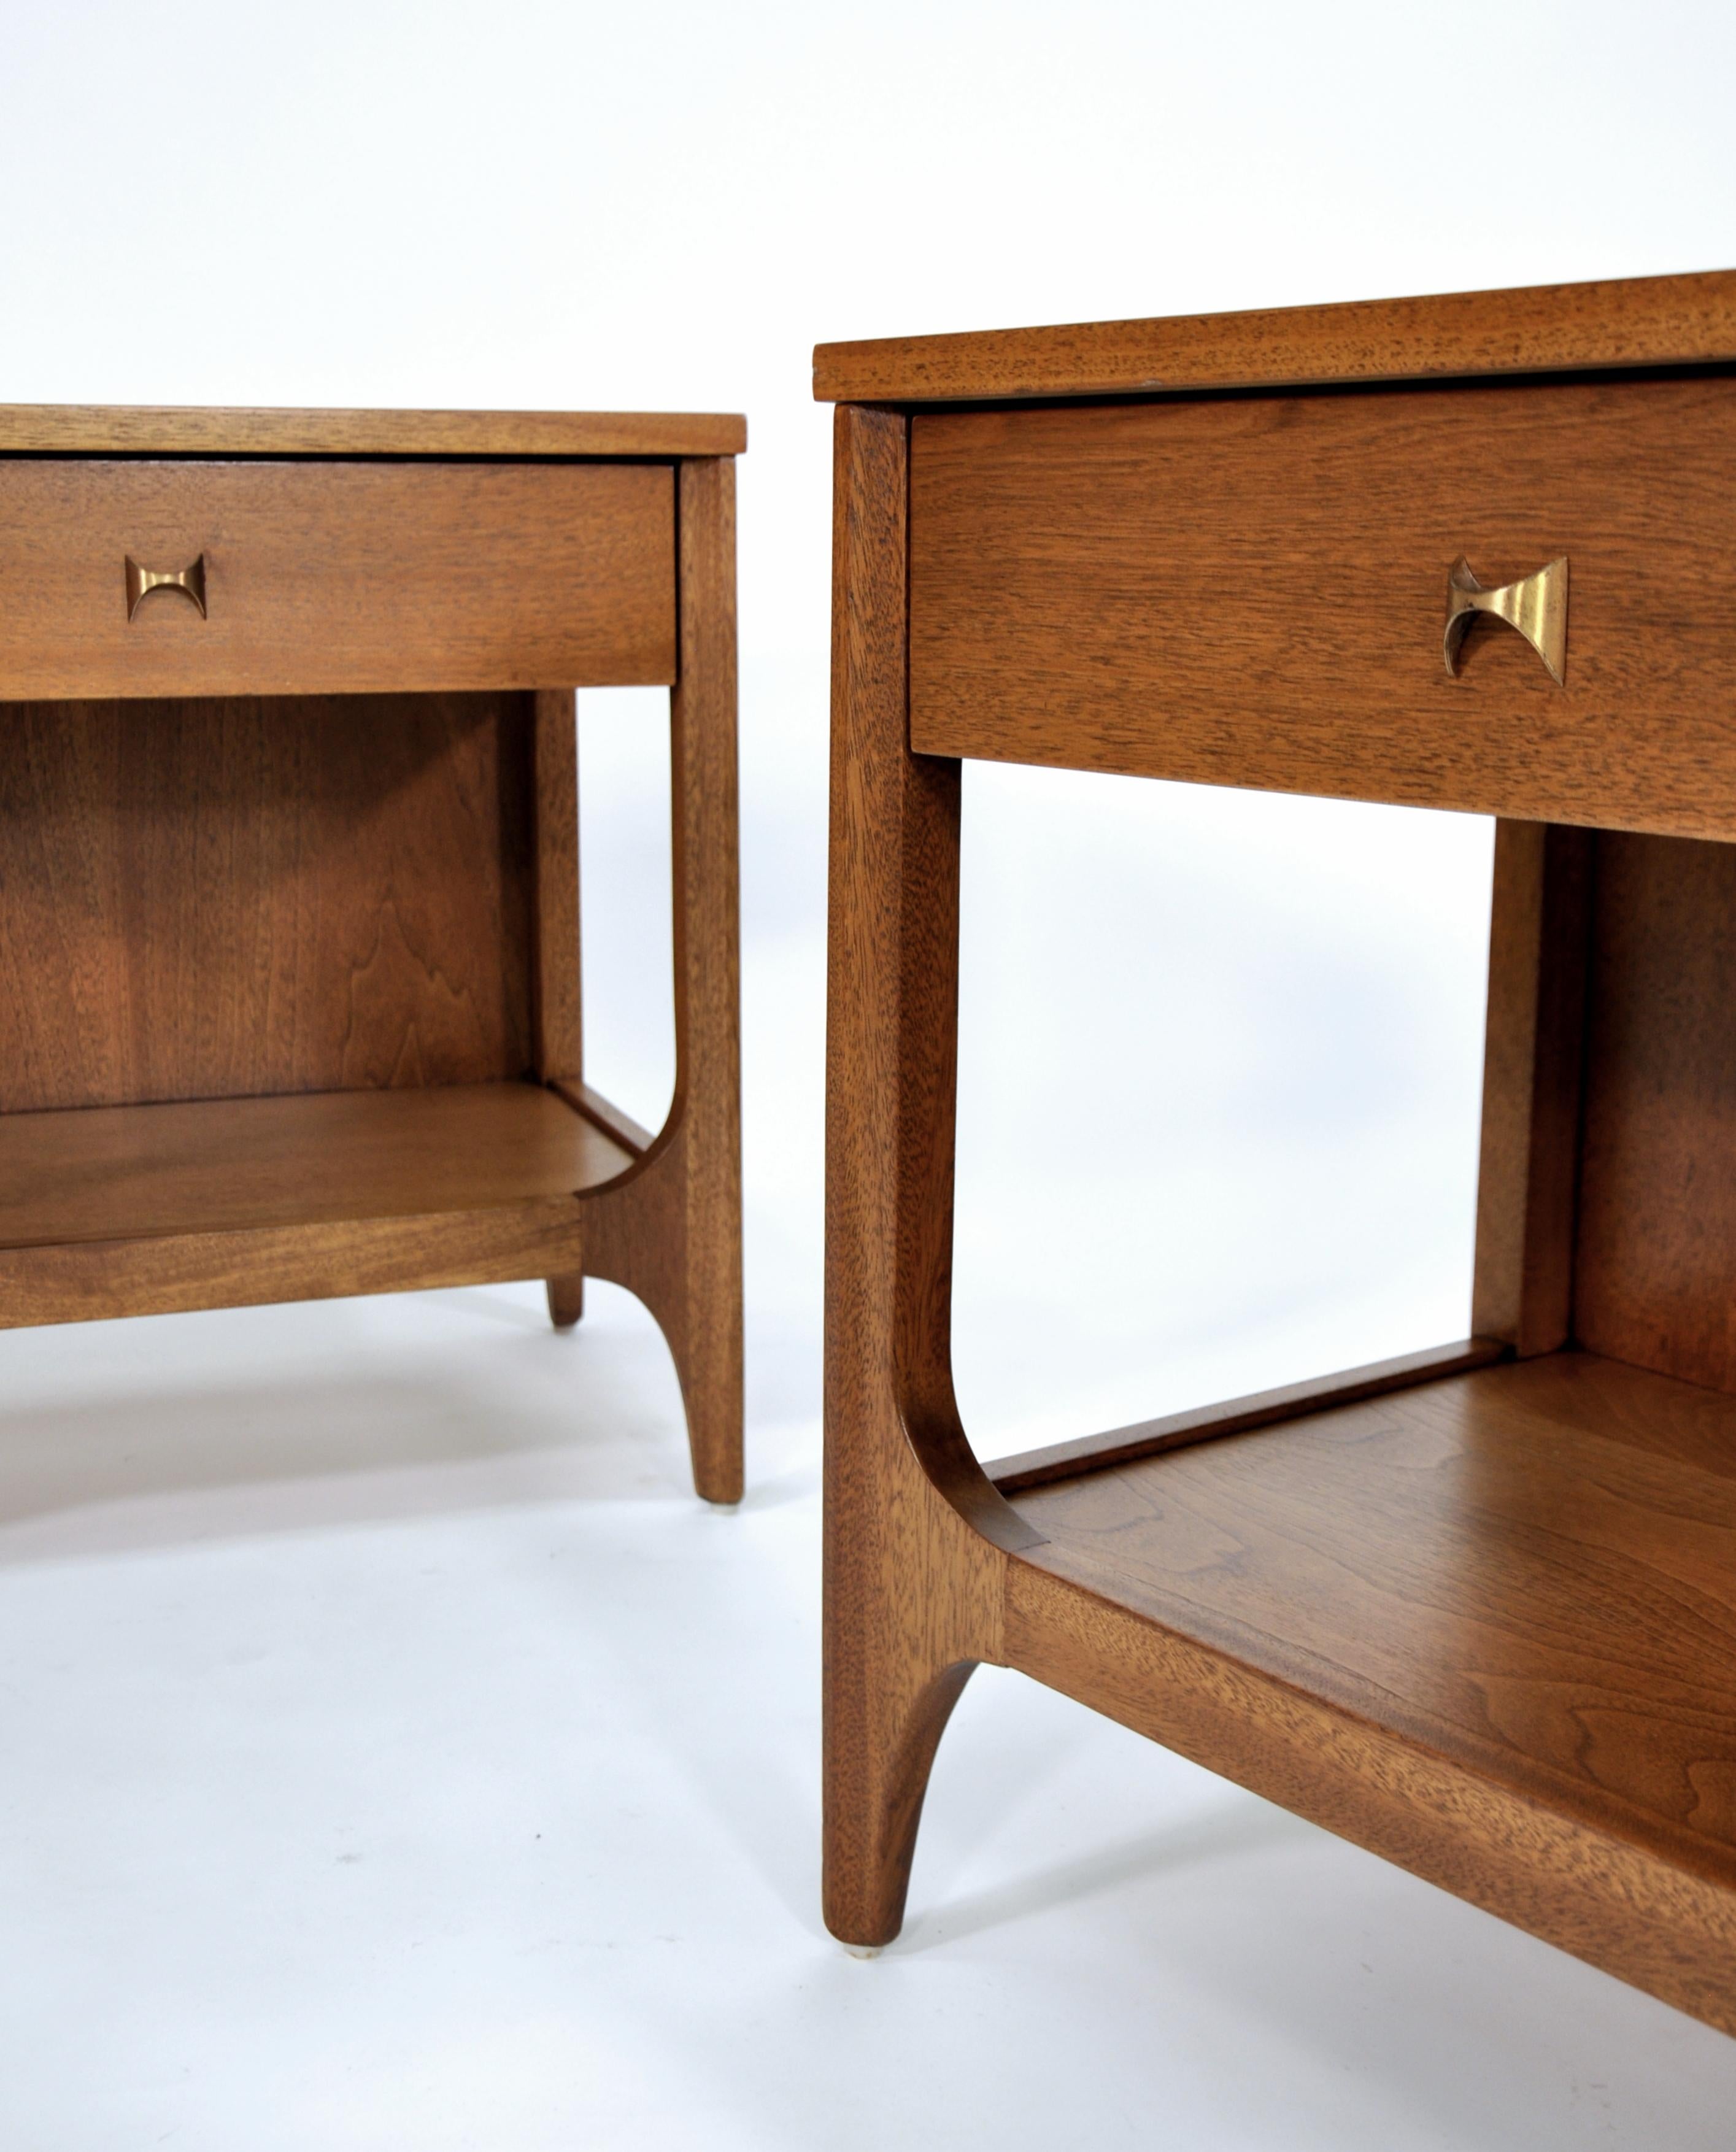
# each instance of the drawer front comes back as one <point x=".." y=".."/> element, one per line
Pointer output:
<point x="329" y="578"/>
<point x="1253" y="591"/>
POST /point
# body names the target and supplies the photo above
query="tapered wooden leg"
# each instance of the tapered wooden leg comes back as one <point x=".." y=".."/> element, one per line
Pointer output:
<point x="671" y="1232"/>
<point x="566" y="1300"/>
<point x="917" y="1540"/>
<point x="878" y="1760"/>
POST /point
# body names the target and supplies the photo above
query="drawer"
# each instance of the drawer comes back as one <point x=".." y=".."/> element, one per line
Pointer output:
<point x="326" y="577"/>
<point x="1252" y="591"/>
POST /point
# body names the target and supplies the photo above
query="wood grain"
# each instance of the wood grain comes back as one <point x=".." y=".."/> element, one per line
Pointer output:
<point x="915" y="1535"/>
<point x="1250" y="591"/>
<point x="222" y="1166"/>
<point x="86" y="1280"/>
<point x="211" y="899"/>
<point x="1632" y="321"/>
<point x="1534" y="1046"/>
<point x="289" y="939"/>
<point x="558" y="1006"/>
<point x="619" y="1126"/>
<point x="671" y="1230"/>
<point x="97" y="430"/>
<point x="1482" y="1622"/>
<point x="336" y="578"/>
<point x="1152" y="1437"/>
<point x="1527" y="1574"/>
<point x="129" y="1209"/>
<point x="1667" y="1929"/>
<point x="1655" y="1279"/>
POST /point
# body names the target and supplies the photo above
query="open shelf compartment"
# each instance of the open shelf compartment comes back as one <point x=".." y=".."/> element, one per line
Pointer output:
<point x="1476" y="1608"/>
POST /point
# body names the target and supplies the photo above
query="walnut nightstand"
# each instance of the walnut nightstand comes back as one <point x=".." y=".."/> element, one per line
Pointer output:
<point x="289" y="914"/>
<point x="1474" y="1610"/>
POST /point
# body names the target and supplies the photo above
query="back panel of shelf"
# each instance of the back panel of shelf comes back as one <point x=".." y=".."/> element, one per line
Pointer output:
<point x="216" y="898"/>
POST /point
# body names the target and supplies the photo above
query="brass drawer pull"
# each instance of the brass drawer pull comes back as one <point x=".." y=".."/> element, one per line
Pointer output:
<point x="142" y="582"/>
<point x="1536" y="606"/>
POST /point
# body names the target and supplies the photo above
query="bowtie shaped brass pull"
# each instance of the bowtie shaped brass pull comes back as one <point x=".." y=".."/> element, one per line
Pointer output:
<point x="142" y="582"/>
<point x="1536" y="606"/>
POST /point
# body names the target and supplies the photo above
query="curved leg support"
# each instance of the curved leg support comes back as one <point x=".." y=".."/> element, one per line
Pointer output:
<point x="671" y="1230"/>
<point x="671" y="1234"/>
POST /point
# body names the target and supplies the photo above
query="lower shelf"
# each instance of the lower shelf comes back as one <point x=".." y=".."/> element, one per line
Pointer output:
<point x="131" y="1210"/>
<point x="1486" y="1625"/>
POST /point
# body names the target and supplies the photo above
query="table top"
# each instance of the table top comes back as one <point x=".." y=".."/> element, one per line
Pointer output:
<point x="1633" y="321"/>
<point x="96" y="430"/>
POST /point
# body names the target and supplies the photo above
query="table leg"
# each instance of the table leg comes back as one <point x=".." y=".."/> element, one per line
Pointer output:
<point x="671" y="1230"/>
<point x="915" y="1539"/>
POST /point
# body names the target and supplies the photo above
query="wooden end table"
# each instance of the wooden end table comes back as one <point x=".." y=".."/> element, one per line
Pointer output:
<point x="289" y="904"/>
<point x="1474" y="1610"/>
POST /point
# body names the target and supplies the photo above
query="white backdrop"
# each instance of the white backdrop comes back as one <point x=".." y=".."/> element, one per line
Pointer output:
<point x="1220" y="1066"/>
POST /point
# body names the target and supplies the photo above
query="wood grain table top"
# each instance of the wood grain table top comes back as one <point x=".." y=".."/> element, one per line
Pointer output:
<point x="1632" y="321"/>
<point x="95" y="429"/>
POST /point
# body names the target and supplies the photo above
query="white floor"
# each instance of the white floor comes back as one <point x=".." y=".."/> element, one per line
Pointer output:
<point x="396" y="1755"/>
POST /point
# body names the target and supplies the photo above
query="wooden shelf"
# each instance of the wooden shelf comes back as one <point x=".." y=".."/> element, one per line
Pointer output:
<point x="128" y="1210"/>
<point x="1520" y="1582"/>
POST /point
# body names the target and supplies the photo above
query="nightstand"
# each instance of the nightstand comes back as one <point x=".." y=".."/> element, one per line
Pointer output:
<point x="289" y="903"/>
<point x="1474" y="1609"/>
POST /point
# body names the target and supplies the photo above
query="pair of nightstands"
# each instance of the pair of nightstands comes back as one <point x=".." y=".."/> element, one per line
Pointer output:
<point x="289" y="922"/>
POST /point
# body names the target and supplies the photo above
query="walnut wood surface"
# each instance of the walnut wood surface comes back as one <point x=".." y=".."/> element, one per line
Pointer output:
<point x="1534" y="1046"/>
<point x="557" y="1003"/>
<point x="83" y="1280"/>
<point x="1656" y="1276"/>
<point x="345" y="923"/>
<point x="914" y="1532"/>
<point x="1527" y="1574"/>
<point x="1250" y="591"/>
<point x="127" y="1210"/>
<point x="84" y="429"/>
<point x="1152" y="1437"/>
<point x="209" y="899"/>
<point x="1589" y="1889"/>
<point x="336" y="578"/>
<point x="221" y="1165"/>
<point x="1482" y="1624"/>
<point x="556" y="1008"/>
<point x="671" y="1230"/>
<point x="1642" y="321"/>
<point x="620" y="1127"/>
